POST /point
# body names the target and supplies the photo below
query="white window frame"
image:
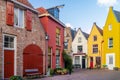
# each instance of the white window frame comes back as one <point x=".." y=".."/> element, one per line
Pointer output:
<point x="77" y="61"/>
<point x="18" y="11"/>
<point x="8" y="48"/>
<point x="15" y="55"/>
<point x="110" y="44"/>
<point x="110" y="27"/>
<point x="94" y="48"/>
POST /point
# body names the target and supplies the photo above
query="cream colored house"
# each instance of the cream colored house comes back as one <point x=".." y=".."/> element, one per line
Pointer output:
<point x="79" y="48"/>
<point x="69" y="35"/>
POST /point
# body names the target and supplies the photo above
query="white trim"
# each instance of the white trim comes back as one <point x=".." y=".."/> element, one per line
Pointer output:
<point x="18" y="15"/>
<point x="18" y="3"/>
<point x="47" y="14"/>
<point x="110" y="66"/>
<point x="15" y="65"/>
<point x="108" y="43"/>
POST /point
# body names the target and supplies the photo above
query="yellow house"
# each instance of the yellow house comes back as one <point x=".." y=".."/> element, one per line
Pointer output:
<point x="95" y="41"/>
<point x="111" y="30"/>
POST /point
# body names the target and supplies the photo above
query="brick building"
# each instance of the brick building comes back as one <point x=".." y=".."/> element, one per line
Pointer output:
<point x="54" y="28"/>
<point x="22" y="39"/>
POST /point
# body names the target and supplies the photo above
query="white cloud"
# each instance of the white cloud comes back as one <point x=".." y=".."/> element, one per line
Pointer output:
<point x="69" y="25"/>
<point x="107" y="2"/>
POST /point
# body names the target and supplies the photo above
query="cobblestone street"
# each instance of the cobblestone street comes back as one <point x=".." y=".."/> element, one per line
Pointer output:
<point x="87" y="75"/>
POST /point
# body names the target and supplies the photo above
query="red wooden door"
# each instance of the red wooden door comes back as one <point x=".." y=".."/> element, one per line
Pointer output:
<point x="33" y="58"/>
<point x="91" y="62"/>
<point x="8" y="63"/>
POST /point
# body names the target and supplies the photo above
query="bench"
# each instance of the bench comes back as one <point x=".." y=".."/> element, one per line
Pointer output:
<point x="32" y="73"/>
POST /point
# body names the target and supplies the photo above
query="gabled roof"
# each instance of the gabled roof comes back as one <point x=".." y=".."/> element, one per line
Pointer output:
<point x="86" y="35"/>
<point x="117" y="15"/>
<point x="98" y="28"/>
<point x="73" y="32"/>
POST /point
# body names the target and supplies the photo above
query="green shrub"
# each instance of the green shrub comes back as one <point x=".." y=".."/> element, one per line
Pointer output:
<point x="51" y="72"/>
<point x="116" y="68"/>
<point x="60" y="71"/>
<point x="104" y="66"/>
<point x="16" y="78"/>
<point x="67" y="61"/>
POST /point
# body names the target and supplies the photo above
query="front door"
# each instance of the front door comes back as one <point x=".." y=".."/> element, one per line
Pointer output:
<point x="9" y="56"/>
<point x="91" y="62"/>
<point x="8" y="63"/>
<point x="83" y="62"/>
<point x="110" y="61"/>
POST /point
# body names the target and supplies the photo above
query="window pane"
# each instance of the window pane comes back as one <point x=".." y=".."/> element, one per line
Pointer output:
<point x="110" y="59"/>
<point x="15" y="16"/>
<point x="95" y="48"/>
<point x="8" y="42"/>
<point x="20" y="18"/>
<point x="80" y="48"/>
<point x="77" y="60"/>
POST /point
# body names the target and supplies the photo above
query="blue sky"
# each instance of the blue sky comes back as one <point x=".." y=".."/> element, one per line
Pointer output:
<point x="80" y="13"/>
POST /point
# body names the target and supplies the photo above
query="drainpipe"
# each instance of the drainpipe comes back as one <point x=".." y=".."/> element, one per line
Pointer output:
<point x="46" y="53"/>
<point x="101" y="50"/>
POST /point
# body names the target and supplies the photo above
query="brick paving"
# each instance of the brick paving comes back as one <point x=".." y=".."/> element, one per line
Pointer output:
<point x="87" y="75"/>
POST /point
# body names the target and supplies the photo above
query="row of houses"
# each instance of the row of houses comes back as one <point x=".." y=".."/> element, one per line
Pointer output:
<point x="30" y="39"/>
<point x="100" y="47"/>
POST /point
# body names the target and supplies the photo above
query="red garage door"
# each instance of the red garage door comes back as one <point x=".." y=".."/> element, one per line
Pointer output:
<point x="33" y="58"/>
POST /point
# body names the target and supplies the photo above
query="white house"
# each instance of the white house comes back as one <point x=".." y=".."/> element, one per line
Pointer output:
<point x="79" y="48"/>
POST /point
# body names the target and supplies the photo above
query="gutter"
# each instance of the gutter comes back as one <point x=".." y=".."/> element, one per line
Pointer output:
<point x="18" y="3"/>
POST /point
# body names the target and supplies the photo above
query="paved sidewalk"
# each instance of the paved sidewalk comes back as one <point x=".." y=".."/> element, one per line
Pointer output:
<point x="87" y="75"/>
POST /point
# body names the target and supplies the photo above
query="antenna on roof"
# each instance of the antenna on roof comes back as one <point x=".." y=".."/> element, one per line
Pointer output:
<point x="60" y="6"/>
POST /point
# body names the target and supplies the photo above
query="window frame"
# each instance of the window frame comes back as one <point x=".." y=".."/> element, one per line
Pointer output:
<point x="94" y="47"/>
<point x="95" y="38"/>
<point x="110" y="45"/>
<point x="58" y="37"/>
<point x="80" y="46"/>
<point x="110" y="27"/>
<point x="14" y="42"/>
<point x="18" y="17"/>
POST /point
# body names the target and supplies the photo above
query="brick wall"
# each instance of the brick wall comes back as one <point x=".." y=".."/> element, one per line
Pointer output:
<point x="24" y="37"/>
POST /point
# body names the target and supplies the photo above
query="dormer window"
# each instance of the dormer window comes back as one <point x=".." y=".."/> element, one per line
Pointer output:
<point x="18" y="17"/>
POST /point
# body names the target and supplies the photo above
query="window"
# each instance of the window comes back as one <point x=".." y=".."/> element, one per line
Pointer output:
<point x="95" y="48"/>
<point x="57" y="36"/>
<point x="79" y="40"/>
<point x="80" y="48"/>
<point x="66" y="44"/>
<point x="8" y="42"/>
<point x="110" y="59"/>
<point x="57" y="58"/>
<point x="98" y="60"/>
<point x="94" y="38"/>
<point x="110" y="42"/>
<point x="77" y="60"/>
<point x="18" y="17"/>
<point x="110" y="27"/>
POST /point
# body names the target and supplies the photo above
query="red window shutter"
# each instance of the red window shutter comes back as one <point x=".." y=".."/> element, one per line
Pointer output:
<point x="10" y="14"/>
<point x="28" y="20"/>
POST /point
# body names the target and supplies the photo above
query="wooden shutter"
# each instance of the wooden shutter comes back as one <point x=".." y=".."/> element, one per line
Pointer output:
<point x="10" y="14"/>
<point x="28" y="20"/>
